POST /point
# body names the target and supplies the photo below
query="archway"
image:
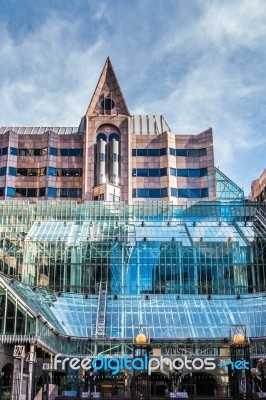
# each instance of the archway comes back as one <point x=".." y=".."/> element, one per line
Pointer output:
<point x="200" y="383"/>
<point x="6" y="375"/>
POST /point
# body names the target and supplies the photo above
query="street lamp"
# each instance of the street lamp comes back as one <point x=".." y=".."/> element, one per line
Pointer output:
<point x="141" y="349"/>
<point x="239" y="370"/>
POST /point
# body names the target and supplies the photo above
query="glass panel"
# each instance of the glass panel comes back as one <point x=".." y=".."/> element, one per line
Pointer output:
<point x="53" y="151"/>
<point x="181" y="152"/>
<point x="11" y="192"/>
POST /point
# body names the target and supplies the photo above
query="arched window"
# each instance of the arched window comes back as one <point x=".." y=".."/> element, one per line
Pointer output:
<point x="114" y="136"/>
<point x="101" y="136"/>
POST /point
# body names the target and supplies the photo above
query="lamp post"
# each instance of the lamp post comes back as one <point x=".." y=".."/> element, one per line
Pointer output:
<point x="239" y="370"/>
<point x="141" y="349"/>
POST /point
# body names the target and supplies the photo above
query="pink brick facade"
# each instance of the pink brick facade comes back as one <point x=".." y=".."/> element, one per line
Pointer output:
<point x="137" y="158"/>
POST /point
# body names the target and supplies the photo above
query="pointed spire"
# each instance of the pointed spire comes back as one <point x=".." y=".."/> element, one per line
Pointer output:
<point x="107" y="97"/>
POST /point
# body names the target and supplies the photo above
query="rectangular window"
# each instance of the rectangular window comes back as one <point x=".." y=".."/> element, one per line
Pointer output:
<point x="193" y="152"/>
<point x="11" y="192"/>
<point x="194" y="193"/>
<point x="53" y="151"/>
<point x="188" y="152"/>
<point x="181" y="152"/>
<point x="12" y="171"/>
<point x="164" y="192"/>
<point x="155" y="193"/>
<point x="142" y="152"/>
<point x="154" y="172"/>
<point x="22" y="171"/>
<point x="21" y="192"/>
<point x="51" y="192"/>
<point x="143" y="193"/>
<point x="134" y="152"/>
<point x="203" y="171"/>
<point x="63" y="152"/>
<point x="2" y="171"/>
<point x="154" y="152"/>
<point x="202" y="152"/>
<point x="194" y="173"/>
<point x="13" y="151"/>
<point x="174" y="192"/>
<point x="32" y="192"/>
<point x="183" y="193"/>
<point x="163" y="172"/>
<point x="33" y="172"/>
<point x="74" y="193"/>
<point x="76" y="152"/>
<point x="163" y="152"/>
<point x="182" y="172"/>
<point x="205" y="192"/>
<point x="173" y="171"/>
<point x="149" y="193"/>
<point x="2" y="191"/>
<point x="42" y="192"/>
<point x="52" y="171"/>
<point x="3" y="151"/>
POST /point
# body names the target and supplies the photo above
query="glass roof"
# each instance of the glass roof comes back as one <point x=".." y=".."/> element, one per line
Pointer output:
<point x="168" y="316"/>
<point x="187" y="233"/>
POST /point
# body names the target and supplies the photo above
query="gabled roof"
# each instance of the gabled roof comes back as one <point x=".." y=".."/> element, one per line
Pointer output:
<point x="107" y="87"/>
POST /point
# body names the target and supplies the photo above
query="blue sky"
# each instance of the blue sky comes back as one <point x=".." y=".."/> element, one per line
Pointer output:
<point x="199" y="63"/>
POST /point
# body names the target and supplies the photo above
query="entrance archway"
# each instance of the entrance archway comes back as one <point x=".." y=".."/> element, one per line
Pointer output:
<point x="6" y="375"/>
<point x="200" y="383"/>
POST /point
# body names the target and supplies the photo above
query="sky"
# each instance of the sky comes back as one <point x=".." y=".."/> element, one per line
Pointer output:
<point x="199" y="63"/>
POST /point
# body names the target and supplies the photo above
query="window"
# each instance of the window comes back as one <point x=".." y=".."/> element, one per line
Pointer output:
<point x="2" y="191"/>
<point x="3" y="151"/>
<point x="12" y="171"/>
<point x="63" y="152"/>
<point x="42" y="192"/>
<point x="149" y="193"/>
<point x="188" y="152"/>
<point x="11" y="192"/>
<point x="154" y="152"/>
<point x="2" y="171"/>
<point x="181" y="152"/>
<point x="202" y="152"/>
<point x="101" y="136"/>
<point x="146" y="172"/>
<point x="148" y="152"/>
<point x="142" y="152"/>
<point x="189" y="173"/>
<point x="75" y="193"/>
<point x="174" y="192"/>
<point x="182" y="172"/>
<point x="205" y="192"/>
<point x="69" y="172"/>
<point x="71" y="152"/>
<point x="75" y="152"/>
<point x="164" y="192"/>
<point x="114" y="157"/>
<point x="100" y="157"/>
<point x="190" y="193"/>
<point x="13" y="151"/>
<point x="203" y="171"/>
<point x="173" y="171"/>
<point x="51" y="192"/>
<point x="53" y="151"/>
<point x="32" y="152"/>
